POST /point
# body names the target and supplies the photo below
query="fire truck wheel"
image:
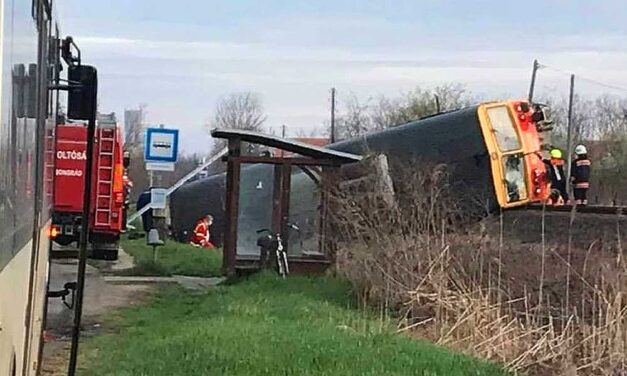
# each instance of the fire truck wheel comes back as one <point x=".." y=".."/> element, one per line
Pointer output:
<point x="104" y="254"/>
<point x="64" y="240"/>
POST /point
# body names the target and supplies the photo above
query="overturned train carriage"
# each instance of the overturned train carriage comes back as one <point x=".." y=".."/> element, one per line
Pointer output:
<point x="491" y="153"/>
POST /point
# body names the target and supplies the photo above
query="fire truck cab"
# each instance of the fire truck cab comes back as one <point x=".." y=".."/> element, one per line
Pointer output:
<point x="107" y="205"/>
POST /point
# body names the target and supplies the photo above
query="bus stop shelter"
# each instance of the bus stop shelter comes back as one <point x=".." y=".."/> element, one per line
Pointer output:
<point x="297" y="181"/>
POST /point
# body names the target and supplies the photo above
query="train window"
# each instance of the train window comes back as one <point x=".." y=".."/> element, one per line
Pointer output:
<point x="514" y="169"/>
<point x="503" y="128"/>
<point x="31" y="97"/>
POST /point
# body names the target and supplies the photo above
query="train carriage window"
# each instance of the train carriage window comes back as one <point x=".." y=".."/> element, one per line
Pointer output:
<point x="503" y="127"/>
<point x="514" y="169"/>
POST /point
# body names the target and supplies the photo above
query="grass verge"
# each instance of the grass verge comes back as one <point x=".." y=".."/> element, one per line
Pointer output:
<point x="173" y="258"/>
<point x="265" y="326"/>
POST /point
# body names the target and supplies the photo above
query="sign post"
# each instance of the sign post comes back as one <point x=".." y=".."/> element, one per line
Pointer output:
<point x="160" y="154"/>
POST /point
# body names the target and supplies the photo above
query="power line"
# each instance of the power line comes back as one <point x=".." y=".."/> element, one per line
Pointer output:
<point x="608" y="86"/>
<point x="582" y="78"/>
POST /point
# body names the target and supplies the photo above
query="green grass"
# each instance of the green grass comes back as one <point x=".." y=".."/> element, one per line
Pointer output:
<point x="173" y="258"/>
<point x="264" y="326"/>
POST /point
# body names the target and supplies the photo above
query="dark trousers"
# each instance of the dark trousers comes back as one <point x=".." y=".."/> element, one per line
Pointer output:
<point x="581" y="196"/>
<point x="561" y="187"/>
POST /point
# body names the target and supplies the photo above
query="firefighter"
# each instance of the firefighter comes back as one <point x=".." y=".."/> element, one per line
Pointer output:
<point x="201" y="235"/>
<point x="128" y="185"/>
<point x="580" y="175"/>
<point x="555" y="165"/>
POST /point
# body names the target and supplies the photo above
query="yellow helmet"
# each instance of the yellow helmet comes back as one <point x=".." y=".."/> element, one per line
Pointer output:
<point x="556" y="154"/>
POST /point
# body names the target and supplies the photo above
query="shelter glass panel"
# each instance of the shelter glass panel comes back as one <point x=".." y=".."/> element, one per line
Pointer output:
<point x="304" y="212"/>
<point x="255" y="206"/>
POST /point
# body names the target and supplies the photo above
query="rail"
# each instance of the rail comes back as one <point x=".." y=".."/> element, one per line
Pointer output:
<point x="591" y="209"/>
<point x="179" y="183"/>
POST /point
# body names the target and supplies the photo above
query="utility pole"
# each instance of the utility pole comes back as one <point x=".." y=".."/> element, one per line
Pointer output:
<point x="332" y="115"/>
<point x="437" y="103"/>
<point x="532" y="86"/>
<point x="282" y="136"/>
<point x="84" y="233"/>
<point x="569" y="133"/>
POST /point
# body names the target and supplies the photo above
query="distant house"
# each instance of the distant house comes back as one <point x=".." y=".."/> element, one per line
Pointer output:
<point x="315" y="141"/>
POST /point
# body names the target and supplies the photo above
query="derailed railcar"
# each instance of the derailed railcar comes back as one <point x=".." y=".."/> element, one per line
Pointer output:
<point x="491" y="149"/>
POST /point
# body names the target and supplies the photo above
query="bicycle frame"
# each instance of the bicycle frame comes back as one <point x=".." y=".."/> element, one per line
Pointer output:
<point x="281" y="255"/>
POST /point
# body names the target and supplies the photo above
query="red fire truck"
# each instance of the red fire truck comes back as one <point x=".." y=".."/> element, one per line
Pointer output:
<point x="106" y="218"/>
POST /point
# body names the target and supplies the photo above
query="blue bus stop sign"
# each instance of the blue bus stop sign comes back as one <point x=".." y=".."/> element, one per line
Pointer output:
<point x="161" y="145"/>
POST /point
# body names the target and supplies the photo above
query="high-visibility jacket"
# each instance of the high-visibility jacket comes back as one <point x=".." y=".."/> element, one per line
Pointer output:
<point x="201" y="234"/>
<point x="580" y="172"/>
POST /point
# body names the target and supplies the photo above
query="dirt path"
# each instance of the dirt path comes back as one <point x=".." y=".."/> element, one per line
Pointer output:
<point x="100" y="299"/>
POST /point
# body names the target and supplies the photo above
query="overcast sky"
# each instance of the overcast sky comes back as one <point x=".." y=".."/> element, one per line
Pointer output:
<point x="179" y="57"/>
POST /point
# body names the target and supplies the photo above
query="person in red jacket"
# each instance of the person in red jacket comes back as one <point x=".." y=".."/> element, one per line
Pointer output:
<point x="201" y="235"/>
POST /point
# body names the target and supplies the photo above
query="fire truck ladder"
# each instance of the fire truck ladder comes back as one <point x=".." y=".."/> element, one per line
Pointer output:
<point x="49" y="158"/>
<point x="104" y="177"/>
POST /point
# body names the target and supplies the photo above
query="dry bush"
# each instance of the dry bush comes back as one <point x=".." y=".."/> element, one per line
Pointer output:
<point x="536" y="308"/>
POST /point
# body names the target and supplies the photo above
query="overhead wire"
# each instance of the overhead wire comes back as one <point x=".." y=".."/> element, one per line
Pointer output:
<point x="582" y="78"/>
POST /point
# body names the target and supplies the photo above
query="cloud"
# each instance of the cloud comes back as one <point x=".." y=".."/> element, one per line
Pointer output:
<point x="181" y="68"/>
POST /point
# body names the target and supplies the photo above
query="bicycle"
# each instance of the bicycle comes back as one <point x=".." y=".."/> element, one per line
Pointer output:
<point x="274" y="242"/>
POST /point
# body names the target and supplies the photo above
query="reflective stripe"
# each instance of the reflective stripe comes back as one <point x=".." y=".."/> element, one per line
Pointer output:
<point x="582" y="162"/>
<point x="557" y="173"/>
<point x="582" y="185"/>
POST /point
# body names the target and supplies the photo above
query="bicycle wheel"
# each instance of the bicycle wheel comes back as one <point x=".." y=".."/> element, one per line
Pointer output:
<point x="279" y="264"/>
<point x="286" y="266"/>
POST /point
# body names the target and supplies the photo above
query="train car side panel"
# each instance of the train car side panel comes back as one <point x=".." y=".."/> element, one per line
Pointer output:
<point x="24" y="108"/>
<point x="17" y="148"/>
<point x="454" y="139"/>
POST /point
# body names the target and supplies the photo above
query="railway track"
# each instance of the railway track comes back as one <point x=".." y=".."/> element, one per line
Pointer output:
<point x="590" y="209"/>
<point x="605" y="226"/>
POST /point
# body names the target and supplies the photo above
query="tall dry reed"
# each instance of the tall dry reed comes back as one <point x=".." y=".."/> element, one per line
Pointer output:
<point x="535" y="308"/>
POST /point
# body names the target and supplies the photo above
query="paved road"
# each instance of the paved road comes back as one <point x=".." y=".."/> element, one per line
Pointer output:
<point x="100" y="299"/>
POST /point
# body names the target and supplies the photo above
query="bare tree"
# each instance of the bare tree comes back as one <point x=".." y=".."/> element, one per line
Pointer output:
<point x="239" y="111"/>
<point x="601" y="124"/>
<point x="236" y="111"/>
<point x="355" y="121"/>
<point x="387" y="112"/>
<point x="362" y="117"/>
